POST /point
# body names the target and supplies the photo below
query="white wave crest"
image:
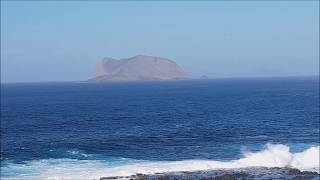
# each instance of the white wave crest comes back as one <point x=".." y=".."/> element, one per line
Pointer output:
<point x="272" y="156"/>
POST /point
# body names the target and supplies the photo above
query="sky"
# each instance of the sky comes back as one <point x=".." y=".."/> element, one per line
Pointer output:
<point x="62" y="41"/>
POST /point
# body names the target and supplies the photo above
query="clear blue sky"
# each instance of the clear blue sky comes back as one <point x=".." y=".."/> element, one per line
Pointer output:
<point x="62" y="41"/>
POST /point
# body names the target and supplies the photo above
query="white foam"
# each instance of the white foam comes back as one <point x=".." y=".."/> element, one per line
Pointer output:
<point x="272" y="156"/>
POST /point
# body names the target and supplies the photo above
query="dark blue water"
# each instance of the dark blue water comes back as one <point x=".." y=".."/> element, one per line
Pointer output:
<point x="170" y="120"/>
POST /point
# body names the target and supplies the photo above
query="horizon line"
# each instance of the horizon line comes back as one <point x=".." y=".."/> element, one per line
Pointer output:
<point x="191" y="78"/>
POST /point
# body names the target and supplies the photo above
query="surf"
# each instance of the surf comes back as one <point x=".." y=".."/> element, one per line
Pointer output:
<point x="273" y="155"/>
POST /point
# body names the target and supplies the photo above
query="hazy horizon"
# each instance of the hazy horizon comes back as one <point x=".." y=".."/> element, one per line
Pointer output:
<point x="62" y="41"/>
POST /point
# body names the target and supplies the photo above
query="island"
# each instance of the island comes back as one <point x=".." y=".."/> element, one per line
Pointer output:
<point x="140" y="67"/>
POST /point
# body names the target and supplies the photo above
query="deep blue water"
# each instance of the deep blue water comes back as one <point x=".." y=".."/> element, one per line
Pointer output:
<point x="168" y="120"/>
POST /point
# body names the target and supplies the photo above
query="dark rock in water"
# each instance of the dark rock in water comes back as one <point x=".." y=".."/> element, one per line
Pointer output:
<point x="229" y="174"/>
<point x="108" y="178"/>
<point x="139" y="67"/>
<point x="293" y="171"/>
<point x="308" y="173"/>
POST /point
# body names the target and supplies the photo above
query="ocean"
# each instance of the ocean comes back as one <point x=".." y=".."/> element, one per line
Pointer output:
<point x="91" y="130"/>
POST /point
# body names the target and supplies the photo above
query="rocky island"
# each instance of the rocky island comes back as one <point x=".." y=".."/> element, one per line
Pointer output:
<point x="140" y="67"/>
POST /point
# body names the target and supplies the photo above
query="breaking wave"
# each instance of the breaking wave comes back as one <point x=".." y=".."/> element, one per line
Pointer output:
<point x="274" y="155"/>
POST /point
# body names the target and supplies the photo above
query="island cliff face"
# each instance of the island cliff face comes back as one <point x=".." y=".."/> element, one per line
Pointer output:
<point x="139" y="67"/>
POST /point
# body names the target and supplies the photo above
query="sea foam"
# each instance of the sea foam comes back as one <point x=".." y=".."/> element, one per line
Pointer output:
<point x="274" y="155"/>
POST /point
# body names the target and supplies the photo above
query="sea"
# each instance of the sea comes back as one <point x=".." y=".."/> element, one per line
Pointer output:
<point x="81" y="130"/>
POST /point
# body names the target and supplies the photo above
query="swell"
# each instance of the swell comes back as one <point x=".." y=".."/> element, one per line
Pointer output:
<point x="274" y="155"/>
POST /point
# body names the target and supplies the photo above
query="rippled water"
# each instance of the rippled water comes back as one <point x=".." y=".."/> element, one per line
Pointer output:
<point x="92" y="128"/>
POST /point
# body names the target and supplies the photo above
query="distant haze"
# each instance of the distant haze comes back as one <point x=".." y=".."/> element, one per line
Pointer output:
<point x="62" y="41"/>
